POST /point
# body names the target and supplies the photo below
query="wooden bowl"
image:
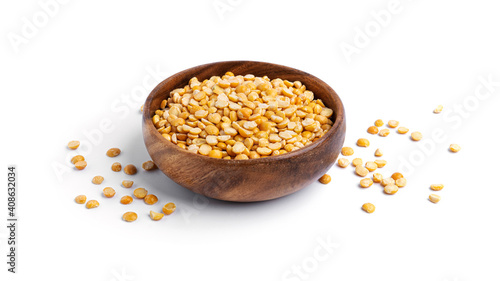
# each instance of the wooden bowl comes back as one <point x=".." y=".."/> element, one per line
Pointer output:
<point x="253" y="179"/>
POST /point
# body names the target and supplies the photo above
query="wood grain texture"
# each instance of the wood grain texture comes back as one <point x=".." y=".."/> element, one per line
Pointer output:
<point x="252" y="179"/>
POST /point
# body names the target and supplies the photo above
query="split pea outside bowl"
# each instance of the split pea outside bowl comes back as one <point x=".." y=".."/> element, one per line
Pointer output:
<point x="246" y="180"/>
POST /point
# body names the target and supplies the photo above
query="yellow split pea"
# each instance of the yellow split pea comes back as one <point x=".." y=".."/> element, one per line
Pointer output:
<point x="76" y="159"/>
<point x="343" y="162"/>
<point x="368" y="207"/>
<point x="384" y="132"/>
<point x="372" y="130"/>
<point x="403" y="130"/>
<point x="434" y="198"/>
<point x="437" y="187"/>
<point x="80" y="199"/>
<point x="73" y="144"/>
<point x="92" y="204"/>
<point x="80" y="165"/>
<point x="357" y="162"/>
<point x="325" y="179"/>
<point x="366" y="182"/>
<point x="149" y="166"/>
<point x="455" y="148"/>
<point x="125" y="200"/>
<point x="169" y="208"/>
<point x="379" y="123"/>
<point x="113" y="152"/>
<point x="155" y="216"/>
<point x="391" y="189"/>
<point x="361" y="171"/>
<point x="140" y="193"/>
<point x="392" y="123"/>
<point x="97" y="179"/>
<point x="416" y="136"/>
<point x="347" y="151"/>
<point x="127" y="183"/>
<point x="129" y="216"/>
<point x="377" y="177"/>
<point x="116" y="167"/>
<point x="130" y="169"/>
<point x="363" y="142"/>
<point x="108" y="192"/>
<point x="371" y="166"/>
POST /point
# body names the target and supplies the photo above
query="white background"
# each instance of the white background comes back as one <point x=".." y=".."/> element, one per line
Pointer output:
<point x="88" y="61"/>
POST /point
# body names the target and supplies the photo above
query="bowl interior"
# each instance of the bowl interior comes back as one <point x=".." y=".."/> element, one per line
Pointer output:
<point x="320" y="89"/>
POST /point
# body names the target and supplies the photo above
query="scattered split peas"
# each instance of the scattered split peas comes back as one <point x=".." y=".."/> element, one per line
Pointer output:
<point x="325" y="179"/>
<point x="92" y="204"/>
<point x="434" y="198"/>
<point x="343" y="162"/>
<point x="391" y="189"/>
<point x="80" y="199"/>
<point x="403" y="130"/>
<point x="397" y="176"/>
<point x="150" y="199"/>
<point x="380" y="163"/>
<point x="97" y="179"/>
<point x="416" y="136"/>
<point x="365" y="183"/>
<point x="455" y="148"/>
<point x="127" y="183"/>
<point x="392" y="123"/>
<point x="371" y="166"/>
<point x="113" y="152"/>
<point x="272" y="116"/>
<point x="437" y="187"/>
<point x="77" y="158"/>
<point x="108" y="192"/>
<point x="116" y="167"/>
<point x="140" y="193"/>
<point x="149" y="166"/>
<point x="384" y="132"/>
<point x="377" y="177"/>
<point x="347" y="151"/>
<point x="379" y="123"/>
<point x="379" y="153"/>
<point x="361" y="171"/>
<point x="80" y="165"/>
<point x="357" y="161"/>
<point x="129" y="216"/>
<point x="401" y="182"/>
<point x="130" y="169"/>
<point x="372" y="130"/>
<point x="368" y="207"/>
<point x="73" y="144"/>
<point x="155" y="216"/>
<point x="438" y="109"/>
<point x="363" y="142"/>
<point x="387" y="181"/>
<point x="125" y="200"/>
<point x="169" y="208"/>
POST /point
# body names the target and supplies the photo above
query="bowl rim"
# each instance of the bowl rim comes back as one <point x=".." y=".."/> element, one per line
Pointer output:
<point x="338" y="108"/>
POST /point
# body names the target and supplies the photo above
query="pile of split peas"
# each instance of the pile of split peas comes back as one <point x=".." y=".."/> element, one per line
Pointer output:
<point x="390" y="184"/>
<point x="242" y="117"/>
<point x="109" y="192"/>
